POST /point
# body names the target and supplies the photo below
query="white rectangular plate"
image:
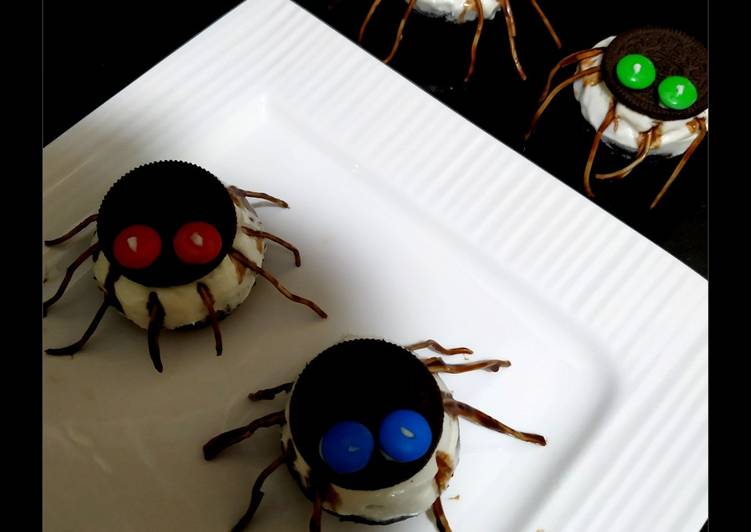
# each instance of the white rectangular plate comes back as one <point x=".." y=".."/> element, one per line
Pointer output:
<point x="412" y="224"/>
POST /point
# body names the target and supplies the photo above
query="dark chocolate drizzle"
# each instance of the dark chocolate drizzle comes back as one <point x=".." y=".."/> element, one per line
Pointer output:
<point x="441" y="523"/>
<point x="208" y="300"/>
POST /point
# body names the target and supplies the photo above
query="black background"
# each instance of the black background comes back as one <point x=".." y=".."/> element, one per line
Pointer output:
<point x="93" y="49"/>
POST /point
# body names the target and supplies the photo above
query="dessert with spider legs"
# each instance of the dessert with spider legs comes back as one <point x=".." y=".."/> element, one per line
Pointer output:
<point x="364" y="451"/>
<point x="459" y="12"/>
<point x="644" y="92"/>
<point x="174" y="248"/>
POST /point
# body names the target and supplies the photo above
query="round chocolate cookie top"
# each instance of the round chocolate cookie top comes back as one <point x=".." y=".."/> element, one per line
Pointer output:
<point x="673" y="53"/>
<point x="361" y="386"/>
<point x="166" y="223"/>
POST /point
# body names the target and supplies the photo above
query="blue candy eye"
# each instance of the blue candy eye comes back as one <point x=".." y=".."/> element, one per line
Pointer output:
<point x="404" y="435"/>
<point x="347" y="446"/>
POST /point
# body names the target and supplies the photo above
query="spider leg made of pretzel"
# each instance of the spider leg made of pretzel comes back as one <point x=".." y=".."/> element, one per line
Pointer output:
<point x="269" y="393"/>
<point x="74" y="348"/>
<point x="156" y="322"/>
<point x="476" y="39"/>
<point x="259" y="195"/>
<point x="73" y="232"/>
<point x="208" y="300"/>
<point x="695" y="144"/>
<point x="559" y="88"/>
<point x="457" y="408"/>
<point x="91" y="250"/>
<point x="219" y="443"/>
<point x="645" y="143"/>
<point x="438" y="348"/>
<point x="245" y="261"/>
<point x="547" y="23"/>
<point x="365" y="22"/>
<point x="436" y="365"/>
<point x="399" y="32"/>
<point x="257" y="494"/>
<point x="268" y="236"/>
<point x="315" y="518"/>
<point x="440" y="516"/>
<point x="511" y="30"/>
<point x="568" y="61"/>
<point x="610" y="117"/>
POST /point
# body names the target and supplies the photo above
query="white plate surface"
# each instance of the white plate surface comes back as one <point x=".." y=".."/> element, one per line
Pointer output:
<point x="412" y="224"/>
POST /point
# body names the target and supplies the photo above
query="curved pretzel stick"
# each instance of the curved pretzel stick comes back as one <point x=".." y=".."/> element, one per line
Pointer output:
<point x="438" y="348"/>
<point x="559" y="88"/>
<point x="609" y="118"/>
<point x="645" y="143"/>
<point x="441" y="522"/>
<point x="69" y="271"/>
<point x="402" y="23"/>
<point x="73" y="232"/>
<point x="683" y="161"/>
<point x="219" y="443"/>
<point x="566" y="61"/>
<point x="511" y="27"/>
<point x="476" y="39"/>
<point x="269" y="393"/>
<point x="470" y="413"/>
<point x="268" y="236"/>
<point x="156" y="321"/>
<point x="208" y="300"/>
<point x="245" y="261"/>
<point x="547" y="23"/>
<point x="257" y="494"/>
<point x="76" y="347"/>
<point x="365" y="22"/>
<point x="259" y="195"/>
<point x="436" y="365"/>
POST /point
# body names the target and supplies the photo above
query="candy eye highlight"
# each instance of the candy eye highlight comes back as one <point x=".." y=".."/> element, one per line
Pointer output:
<point x="347" y="447"/>
<point x="636" y="71"/>
<point x="677" y="92"/>
<point x="404" y="435"/>
<point x="137" y="247"/>
<point x="197" y="243"/>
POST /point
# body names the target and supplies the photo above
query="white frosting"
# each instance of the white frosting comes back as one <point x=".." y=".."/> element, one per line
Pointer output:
<point x="456" y="10"/>
<point x="183" y="304"/>
<point x="595" y="100"/>
<point x="408" y="498"/>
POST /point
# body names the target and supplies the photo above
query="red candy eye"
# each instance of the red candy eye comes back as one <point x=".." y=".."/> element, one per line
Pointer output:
<point x="137" y="247"/>
<point x="197" y="243"/>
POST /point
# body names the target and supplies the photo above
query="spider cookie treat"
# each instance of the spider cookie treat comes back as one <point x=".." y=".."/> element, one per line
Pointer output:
<point x="174" y="248"/>
<point x="370" y="432"/>
<point x="460" y="12"/>
<point x="644" y="92"/>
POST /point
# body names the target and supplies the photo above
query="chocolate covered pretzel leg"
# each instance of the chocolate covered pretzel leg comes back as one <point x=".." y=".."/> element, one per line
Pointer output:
<point x="457" y="408"/>
<point x="156" y="322"/>
<point x="476" y="39"/>
<point x="438" y="348"/>
<point x="268" y="236"/>
<point x="73" y="232"/>
<point x="315" y="518"/>
<point x="547" y="23"/>
<point x="365" y="22"/>
<point x="609" y="119"/>
<point x="257" y="494"/>
<point x="436" y="365"/>
<point x="245" y="261"/>
<point x="76" y="347"/>
<point x="269" y="393"/>
<point x="259" y="195"/>
<point x="567" y="61"/>
<point x="645" y="143"/>
<point x="69" y="271"/>
<point x="219" y="443"/>
<point x="208" y="301"/>
<point x="440" y="516"/>
<point x="399" y="32"/>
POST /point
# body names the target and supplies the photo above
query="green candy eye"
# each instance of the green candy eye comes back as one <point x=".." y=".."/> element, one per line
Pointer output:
<point x="677" y="92"/>
<point x="636" y="71"/>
